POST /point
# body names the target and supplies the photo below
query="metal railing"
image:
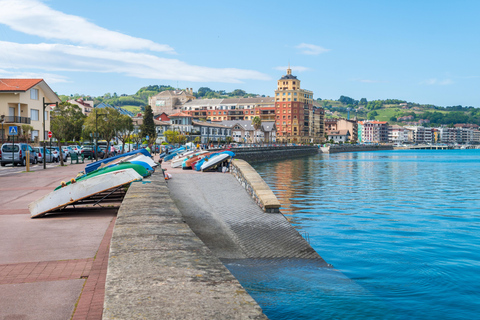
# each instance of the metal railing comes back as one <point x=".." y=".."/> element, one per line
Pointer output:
<point x="15" y="119"/>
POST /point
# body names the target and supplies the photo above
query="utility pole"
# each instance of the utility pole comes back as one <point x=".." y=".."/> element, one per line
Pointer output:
<point x="44" y="147"/>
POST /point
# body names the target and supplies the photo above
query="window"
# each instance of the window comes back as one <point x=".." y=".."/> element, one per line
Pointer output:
<point x="34" y="114"/>
<point x="289" y="93"/>
<point x="294" y="93"/>
<point x="34" y="94"/>
<point x="294" y="99"/>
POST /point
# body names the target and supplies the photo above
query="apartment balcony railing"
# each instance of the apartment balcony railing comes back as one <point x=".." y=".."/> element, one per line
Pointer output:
<point x="235" y="113"/>
<point x="14" y="119"/>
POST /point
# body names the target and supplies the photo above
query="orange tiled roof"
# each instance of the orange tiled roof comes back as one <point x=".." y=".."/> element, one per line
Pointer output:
<point x="180" y="114"/>
<point x="12" y="85"/>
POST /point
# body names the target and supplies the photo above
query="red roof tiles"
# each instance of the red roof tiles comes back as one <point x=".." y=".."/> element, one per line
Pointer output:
<point x="13" y="85"/>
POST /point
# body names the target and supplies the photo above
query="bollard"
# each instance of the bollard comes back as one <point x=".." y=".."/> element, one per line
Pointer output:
<point x="27" y="156"/>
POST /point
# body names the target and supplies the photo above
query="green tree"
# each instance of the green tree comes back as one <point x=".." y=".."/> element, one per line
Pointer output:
<point x="66" y="124"/>
<point x="171" y="136"/>
<point x="124" y="130"/>
<point x="148" y="126"/>
<point x="371" y="115"/>
<point x="106" y="122"/>
<point x="26" y="129"/>
<point x="257" y="124"/>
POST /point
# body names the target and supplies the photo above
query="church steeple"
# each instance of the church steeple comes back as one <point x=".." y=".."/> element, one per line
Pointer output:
<point x="289" y="71"/>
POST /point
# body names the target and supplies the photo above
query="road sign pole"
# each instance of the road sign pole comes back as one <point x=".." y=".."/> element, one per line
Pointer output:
<point x="13" y="152"/>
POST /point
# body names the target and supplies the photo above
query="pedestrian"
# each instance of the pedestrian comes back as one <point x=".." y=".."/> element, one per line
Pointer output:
<point x="149" y="148"/>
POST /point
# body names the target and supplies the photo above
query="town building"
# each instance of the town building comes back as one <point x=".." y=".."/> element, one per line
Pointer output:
<point x="294" y="110"/>
<point x="338" y="136"/>
<point x="21" y="103"/>
<point x="374" y="131"/>
<point x="85" y="105"/>
<point x="397" y="134"/>
<point x="243" y="131"/>
<point x="119" y="109"/>
<point x="170" y="101"/>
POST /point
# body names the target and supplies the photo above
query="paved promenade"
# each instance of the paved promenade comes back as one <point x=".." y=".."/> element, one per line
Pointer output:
<point x="53" y="267"/>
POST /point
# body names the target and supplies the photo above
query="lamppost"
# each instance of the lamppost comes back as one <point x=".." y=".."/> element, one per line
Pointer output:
<point x="2" y="119"/>
<point x="45" y="104"/>
<point x="96" y="132"/>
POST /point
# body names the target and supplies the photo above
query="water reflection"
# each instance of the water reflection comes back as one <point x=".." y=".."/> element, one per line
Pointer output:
<point x="402" y="225"/>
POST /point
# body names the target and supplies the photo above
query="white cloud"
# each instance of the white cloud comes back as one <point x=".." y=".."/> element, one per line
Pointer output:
<point x="35" y="18"/>
<point x="437" y="82"/>
<point x="311" y="49"/>
<point x="294" y="68"/>
<point x="48" y="77"/>
<point x="60" y="57"/>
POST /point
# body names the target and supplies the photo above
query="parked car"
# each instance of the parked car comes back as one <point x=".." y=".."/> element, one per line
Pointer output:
<point x="48" y="156"/>
<point x="67" y="150"/>
<point x="55" y="152"/>
<point x="76" y="149"/>
<point x="19" y="153"/>
<point x="89" y="151"/>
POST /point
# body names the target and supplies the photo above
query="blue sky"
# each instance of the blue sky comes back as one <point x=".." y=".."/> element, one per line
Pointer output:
<point x="420" y="51"/>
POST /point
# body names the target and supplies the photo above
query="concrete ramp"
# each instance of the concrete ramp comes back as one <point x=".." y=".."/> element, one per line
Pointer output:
<point x="222" y="214"/>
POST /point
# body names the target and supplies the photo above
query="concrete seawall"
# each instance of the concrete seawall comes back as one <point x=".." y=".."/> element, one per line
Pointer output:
<point x="352" y="148"/>
<point x="159" y="269"/>
<point x="256" y="154"/>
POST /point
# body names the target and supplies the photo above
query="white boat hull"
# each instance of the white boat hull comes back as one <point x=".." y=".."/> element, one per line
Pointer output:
<point x="80" y="190"/>
<point x="214" y="161"/>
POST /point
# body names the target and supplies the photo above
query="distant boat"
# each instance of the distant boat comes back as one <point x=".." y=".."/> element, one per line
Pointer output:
<point x="82" y="191"/>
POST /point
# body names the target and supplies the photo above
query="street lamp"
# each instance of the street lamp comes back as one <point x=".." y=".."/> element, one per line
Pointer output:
<point x="96" y="133"/>
<point x="2" y="119"/>
<point x="45" y="104"/>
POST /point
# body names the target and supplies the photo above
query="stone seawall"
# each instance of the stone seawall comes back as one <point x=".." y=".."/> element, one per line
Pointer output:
<point x="352" y="148"/>
<point x="159" y="269"/>
<point x="257" y="154"/>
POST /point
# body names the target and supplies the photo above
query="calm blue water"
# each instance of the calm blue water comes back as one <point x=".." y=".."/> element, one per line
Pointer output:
<point x="401" y="228"/>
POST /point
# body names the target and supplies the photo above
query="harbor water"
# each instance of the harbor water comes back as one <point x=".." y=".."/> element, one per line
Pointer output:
<point x="401" y="229"/>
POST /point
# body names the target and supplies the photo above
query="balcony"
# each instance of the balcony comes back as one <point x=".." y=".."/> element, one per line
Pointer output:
<point x="235" y="113"/>
<point x="14" y="119"/>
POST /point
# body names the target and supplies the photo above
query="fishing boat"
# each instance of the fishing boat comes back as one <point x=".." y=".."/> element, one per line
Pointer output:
<point x="173" y="153"/>
<point x="95" y="165"/>
<point x="140" y="169"/>
<point x="216" y="160"/>
<point x="87" y="191"/>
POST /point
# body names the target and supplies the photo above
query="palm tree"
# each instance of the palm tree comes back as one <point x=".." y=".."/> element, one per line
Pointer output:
<point x="257" y="124"/>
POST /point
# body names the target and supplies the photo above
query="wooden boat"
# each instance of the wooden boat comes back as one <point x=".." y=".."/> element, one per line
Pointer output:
<point x="190" y="163"/>
<point x="145" y="159"/>
<point x="140" y="169"/>
<point x="176" y="163"/>
<point x="216" y="160"/>
<point x="172" y="154"/>
<point x="81" y="191"/>
<point x="95" y="165"/>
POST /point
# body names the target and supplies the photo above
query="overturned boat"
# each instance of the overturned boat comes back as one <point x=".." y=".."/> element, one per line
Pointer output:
<point x="92" y="190"/>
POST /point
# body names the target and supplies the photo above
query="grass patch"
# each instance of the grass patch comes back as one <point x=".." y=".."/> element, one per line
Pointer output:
<point x="134" y="109"/>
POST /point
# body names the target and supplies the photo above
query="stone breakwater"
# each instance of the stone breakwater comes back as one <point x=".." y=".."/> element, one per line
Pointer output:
<point x="159" y="269"/>
<point x="257" y="154"/>
<point x="352" y="148"/>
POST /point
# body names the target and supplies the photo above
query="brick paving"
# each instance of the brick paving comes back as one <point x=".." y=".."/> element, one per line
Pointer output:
<point x="90" y="305"/>
<point x="26" y="269"/>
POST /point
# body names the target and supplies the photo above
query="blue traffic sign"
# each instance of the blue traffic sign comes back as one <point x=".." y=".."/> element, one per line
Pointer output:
<point x="12" y="131"/>
<point x="147" y="137"/>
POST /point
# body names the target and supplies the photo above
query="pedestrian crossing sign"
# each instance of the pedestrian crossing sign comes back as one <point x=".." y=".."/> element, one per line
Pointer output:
<point x="12" y="131"/>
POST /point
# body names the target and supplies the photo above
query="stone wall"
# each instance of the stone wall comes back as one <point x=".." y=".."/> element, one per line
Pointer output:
<point x="255" y="186"/>
<point x="352" y="148"/>
<point x="257" y="154"/>
<point x="159" y="269"/>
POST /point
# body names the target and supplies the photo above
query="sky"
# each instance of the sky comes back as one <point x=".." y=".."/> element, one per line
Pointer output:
<point x="423" y="51"/>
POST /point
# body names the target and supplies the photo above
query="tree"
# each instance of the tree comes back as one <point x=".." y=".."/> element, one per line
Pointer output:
<point x="202" y="91"/>
<point x="371" y="115"/>
<point x="257" y="124"/>
<point x="124" y="130"/>
<point x="148" y="126"/>
<point x="26" y="129"/>
<point x="105" y="122"/>
<point x="171" y="136"/>
<point x="66" y="124"/>
<point x="363" y="101"/>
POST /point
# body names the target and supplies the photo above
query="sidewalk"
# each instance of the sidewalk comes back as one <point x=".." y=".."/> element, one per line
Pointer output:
<point x="53" y="267"/>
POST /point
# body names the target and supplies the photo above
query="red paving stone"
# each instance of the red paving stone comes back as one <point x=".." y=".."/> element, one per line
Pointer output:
<point x="90" y="304"/>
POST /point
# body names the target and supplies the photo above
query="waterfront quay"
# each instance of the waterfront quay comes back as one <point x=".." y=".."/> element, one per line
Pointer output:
<point x="162" y="262"/>
<point x="53" y="267"/>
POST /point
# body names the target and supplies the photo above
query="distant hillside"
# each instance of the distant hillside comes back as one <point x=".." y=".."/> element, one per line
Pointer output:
<point x="394" y="111"/>
<point x="140" y="98"/>
<point x="400" y="112"/>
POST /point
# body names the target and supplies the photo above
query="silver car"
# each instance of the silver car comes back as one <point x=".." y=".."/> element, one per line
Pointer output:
<point x="16" y="153"/>
<point x="49" y="157"/>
